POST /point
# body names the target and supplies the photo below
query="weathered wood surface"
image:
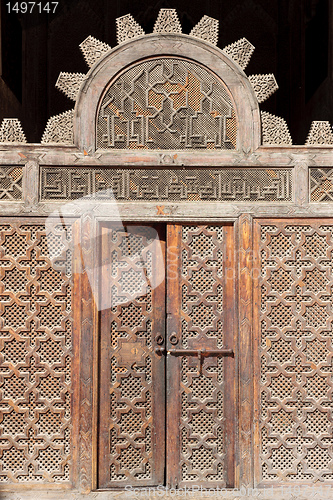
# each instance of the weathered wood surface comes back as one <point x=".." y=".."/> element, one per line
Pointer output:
<point x="303" y="493"/>
<point x="262" y="156"/>
<point x="245" y="458"/>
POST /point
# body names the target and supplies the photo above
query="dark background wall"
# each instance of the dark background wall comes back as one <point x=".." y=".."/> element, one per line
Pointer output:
<point x="293" y="40"/>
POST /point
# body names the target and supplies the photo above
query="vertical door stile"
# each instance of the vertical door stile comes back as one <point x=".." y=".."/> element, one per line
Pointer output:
<point x="158" y="284"/>
<point x="245" y="353"/>
<point x="104" y="396"/>
<point x="230" y="342"/>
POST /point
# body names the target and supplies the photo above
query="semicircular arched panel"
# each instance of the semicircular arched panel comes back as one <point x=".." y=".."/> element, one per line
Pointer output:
<point x="166" y="103"/>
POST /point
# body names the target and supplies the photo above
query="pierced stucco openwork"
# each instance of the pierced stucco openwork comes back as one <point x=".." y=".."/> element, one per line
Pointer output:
<point x="11" y="131"/>
<point x="207" y="29"/>
<point x="69" y="84"/>
<point x="240" y="52"/>
<point x="263" y="85"/>
<point x="127" y="28"/>
<point x="92" y="50"/>
<point x="274" y="130"/>
<point x="167" y="22"/>
<point x="59" y="129"/>
<point x="320" y="133"/>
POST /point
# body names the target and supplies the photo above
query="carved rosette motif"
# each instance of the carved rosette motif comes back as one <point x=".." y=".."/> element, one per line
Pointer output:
<point x="35" y="353"/>
<point x="296" y="352"/>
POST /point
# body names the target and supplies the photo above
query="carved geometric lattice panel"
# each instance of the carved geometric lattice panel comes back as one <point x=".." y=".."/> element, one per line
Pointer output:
<point x="11" y="182"/>
<point x="167" y="103"/>
<point x="321" y="184"/>
<point x="202" y="452"/>
<point x="35" y="354"/>
<point x="296" y="351"/>
<point x="227" y="184"/>
<point x="131" y="436"/>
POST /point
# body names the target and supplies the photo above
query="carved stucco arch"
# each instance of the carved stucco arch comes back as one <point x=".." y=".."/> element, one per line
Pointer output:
<point x="179" y="46"/>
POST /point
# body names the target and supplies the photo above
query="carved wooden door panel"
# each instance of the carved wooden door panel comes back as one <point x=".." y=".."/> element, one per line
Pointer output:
<point x="39" y="309"/>
<point x="132" y="388"/>
<point x="199" y="360"/>
<point x="294" y="351"/>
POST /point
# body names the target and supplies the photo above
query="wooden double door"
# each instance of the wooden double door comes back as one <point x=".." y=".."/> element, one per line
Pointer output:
<point x="167" y="356"/>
